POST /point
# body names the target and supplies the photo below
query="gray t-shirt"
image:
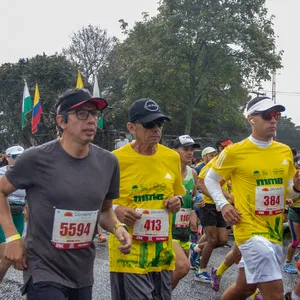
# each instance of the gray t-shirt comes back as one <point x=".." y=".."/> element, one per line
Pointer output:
<point x="55" y="180"/>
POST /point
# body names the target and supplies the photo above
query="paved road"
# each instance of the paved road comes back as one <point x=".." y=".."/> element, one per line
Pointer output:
<point x="187" y="289"/>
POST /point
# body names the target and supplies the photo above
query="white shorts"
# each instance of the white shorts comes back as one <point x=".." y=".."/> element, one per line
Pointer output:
<point x="261" y="260"/>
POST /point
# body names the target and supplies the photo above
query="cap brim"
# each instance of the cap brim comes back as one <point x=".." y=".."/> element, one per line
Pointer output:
<point x="100" y="102"/>
<point x="267" y="106"/>
<point x="152" y="117"/>
<point x="195" y="145"/>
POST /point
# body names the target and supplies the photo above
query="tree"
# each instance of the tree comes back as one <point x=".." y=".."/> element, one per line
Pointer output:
<point x="54" y="75"/>
<point x="288" y="133"/>
<point x="197" y="58"/>
<point x="89" y="50"/>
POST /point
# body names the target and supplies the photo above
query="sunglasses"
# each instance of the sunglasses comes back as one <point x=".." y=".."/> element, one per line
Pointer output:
<point x="14" y="156"/>
<point x="269" y="115"/>
<point x="83" y="114"/>
<point x="152" y="124"/>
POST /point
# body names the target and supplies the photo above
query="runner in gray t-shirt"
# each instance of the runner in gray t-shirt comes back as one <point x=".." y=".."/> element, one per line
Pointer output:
<point x="68" y="182"/>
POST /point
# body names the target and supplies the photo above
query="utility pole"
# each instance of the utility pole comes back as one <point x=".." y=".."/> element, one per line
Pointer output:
<point x="274" y="94"/>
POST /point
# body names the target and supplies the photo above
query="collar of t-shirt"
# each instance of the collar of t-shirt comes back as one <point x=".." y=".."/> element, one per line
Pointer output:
<point x="260" y="144"/>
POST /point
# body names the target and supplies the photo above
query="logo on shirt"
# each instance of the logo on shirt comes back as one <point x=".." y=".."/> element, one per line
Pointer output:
<point x="269" y="181"/>
<point x="148" y="197"/>
<point x="285" y="162"/>
<point x="168" y="176"/>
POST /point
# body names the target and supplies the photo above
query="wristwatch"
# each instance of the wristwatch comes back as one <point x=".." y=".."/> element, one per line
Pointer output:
<point x="181" y="200"/>
<point x="118" y="225"/>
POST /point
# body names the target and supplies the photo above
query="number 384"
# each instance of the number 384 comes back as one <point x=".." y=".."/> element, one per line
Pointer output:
<point x="271" y="200"/>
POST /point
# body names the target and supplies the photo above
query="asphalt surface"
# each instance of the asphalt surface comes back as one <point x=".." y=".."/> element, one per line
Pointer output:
<point x="188" y="289"/>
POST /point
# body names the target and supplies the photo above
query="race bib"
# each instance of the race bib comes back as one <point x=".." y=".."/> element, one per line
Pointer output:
<point x="182" y="219"/>
<point x="73" y="229"/>
<point x="269" y="200"/>
<point x="153" y="225"/>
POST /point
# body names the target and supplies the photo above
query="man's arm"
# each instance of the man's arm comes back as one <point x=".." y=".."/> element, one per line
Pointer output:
<point x="108" y="221"/>
<point x="14" y="250"/>
<point x="6" y="220"/>
<point x="202" y="187"/>
<point x="212" y="182"/>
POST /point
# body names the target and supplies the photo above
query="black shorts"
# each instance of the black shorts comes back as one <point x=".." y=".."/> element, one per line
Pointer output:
<point x="209" y="216"/>
<point x="49" y="290"/>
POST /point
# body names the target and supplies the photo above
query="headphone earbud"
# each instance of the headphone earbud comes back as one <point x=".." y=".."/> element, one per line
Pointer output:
<point x="252" y="121"/>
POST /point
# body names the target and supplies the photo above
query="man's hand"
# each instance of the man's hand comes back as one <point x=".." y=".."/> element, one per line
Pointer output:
<point x="231" y="214"/>
<point x="15" y="253"/>
<point x="173" y="204"/>
<point x="127" y="215"/>
<point x="297" y="180"/>
<point x="124" y="238"/>
<point x="290" y="202"/>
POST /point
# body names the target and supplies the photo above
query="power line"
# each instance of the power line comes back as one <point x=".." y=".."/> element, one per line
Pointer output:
<point x="285" y="93"/>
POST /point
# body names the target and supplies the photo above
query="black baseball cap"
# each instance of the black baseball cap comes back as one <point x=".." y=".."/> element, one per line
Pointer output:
<point x="145" y="110"/>
<point x="185" y="141"/>
<point x="76" y="97"/>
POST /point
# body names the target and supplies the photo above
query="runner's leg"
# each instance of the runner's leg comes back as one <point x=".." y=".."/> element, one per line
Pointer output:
<point x="182" y="265"/>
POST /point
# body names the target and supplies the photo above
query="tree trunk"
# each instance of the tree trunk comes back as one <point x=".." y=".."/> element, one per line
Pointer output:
<point x="188" y="119"/>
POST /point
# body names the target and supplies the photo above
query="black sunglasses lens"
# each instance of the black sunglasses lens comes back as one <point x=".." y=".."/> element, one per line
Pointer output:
<point x="152" y="124"/>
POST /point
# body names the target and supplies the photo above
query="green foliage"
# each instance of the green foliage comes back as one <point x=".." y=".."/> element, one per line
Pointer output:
<point x="288" y="133"/>
<point x="54" y="75"/>
<point x="197" y="58"/>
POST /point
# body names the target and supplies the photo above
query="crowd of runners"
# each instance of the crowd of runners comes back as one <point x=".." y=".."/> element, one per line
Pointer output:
<point x="165" y="214"/>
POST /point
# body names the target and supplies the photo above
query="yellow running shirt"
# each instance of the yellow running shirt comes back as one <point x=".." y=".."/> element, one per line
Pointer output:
<point x="202" y="175"/>
<point x="145" y="183"/>
<point x="259" y="178"/>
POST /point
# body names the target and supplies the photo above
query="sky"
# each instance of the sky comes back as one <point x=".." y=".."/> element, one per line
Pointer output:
<point x="32" y="27"/>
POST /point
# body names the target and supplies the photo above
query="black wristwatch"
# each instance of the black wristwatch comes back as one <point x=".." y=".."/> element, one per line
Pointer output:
<point x="181" y="199"/>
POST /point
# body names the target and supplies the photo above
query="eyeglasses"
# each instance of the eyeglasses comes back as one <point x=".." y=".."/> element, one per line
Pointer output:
<point x="83" y="114"/>
<point x="13" y="156"/>
<point x="152" y="124"/>
<point x="269" y="115"/>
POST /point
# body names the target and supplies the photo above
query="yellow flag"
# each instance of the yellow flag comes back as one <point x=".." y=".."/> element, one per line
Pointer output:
<point x="79" y="84"/>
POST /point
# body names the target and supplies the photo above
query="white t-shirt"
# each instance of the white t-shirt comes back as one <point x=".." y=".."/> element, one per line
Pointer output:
<point x="120" y="143"/>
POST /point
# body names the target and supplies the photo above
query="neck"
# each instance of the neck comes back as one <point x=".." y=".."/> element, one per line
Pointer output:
<point x="74" y="149"/>
<point x="261" y="138"/>
<point x="183" y="170"/>
<point x="260" y="143"/>
<point x="144" y="149"/>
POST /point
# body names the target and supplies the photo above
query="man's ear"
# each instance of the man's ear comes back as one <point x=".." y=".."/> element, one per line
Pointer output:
<point x="60" y="122"/>
<point x="131" y="127"/>
<point x="250" y="120"/>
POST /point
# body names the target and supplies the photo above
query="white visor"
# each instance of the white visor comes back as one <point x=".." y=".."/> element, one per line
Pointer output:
<point x="264" y="105"/>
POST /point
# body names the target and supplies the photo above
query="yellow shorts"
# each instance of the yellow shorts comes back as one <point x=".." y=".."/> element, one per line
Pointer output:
<point x="183" y="245"/>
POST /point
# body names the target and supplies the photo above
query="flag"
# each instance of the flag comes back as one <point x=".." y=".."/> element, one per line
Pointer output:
<point x="26" y="105"/>
<point x="79" y="84"/>
<point x="37" y="110"/>
<point x="96" y="93"/>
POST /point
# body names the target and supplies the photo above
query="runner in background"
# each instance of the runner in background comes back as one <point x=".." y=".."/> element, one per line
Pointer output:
<point x="16" y="201"/>
<point x="184" y="145"/>
<point x="294" y="225"/>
